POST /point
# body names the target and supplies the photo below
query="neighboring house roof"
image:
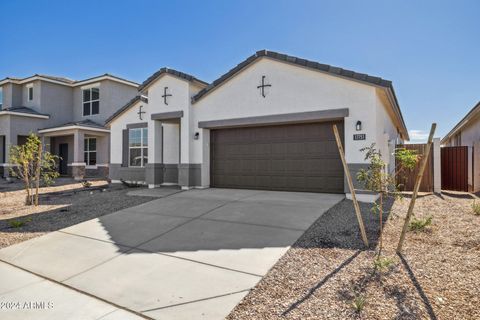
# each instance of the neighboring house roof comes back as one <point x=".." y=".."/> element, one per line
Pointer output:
<point x="66" y="81"/>
<point x="126" y="107"/>
<point x="23" y="111"/>
<point x="462" y="123"/>
<point x="173" y="72"/>
<point x="84" y="124"/>
<point x="336" y="71"/>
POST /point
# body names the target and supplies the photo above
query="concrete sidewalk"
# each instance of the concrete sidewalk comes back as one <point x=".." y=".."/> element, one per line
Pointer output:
<point x="189" y="255"/>
<point x="26" y="296"/>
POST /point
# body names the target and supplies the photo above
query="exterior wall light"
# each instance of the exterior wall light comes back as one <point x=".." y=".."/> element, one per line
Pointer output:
<point x="358" y="126"/>
<point x="196" y="136"/>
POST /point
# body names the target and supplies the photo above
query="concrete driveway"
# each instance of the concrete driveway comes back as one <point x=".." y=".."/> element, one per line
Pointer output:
<point x="188" y="255"/>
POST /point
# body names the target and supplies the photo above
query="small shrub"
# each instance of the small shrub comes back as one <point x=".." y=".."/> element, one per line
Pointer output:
<point x="18" y="223"/>
<point x="420" y="224"/>
<point x="359" y="303"/>
<point x="383" y="263"/>
<point x="476" y="208"/>
<point x="86" y="184"/>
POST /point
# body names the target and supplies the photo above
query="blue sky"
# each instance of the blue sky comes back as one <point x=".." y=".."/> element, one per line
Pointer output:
<point x="429" y="49"/>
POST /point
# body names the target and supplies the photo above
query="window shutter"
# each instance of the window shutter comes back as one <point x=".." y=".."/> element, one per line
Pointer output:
<point x="125" y="148"/>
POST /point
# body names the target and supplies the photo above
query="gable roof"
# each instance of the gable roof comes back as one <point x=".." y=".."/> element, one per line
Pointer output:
<point x="462" y="123"/>
<point x="173" y="72"/>
<point x="297" y="61"/>
<point x="126" y="107"/>
<point x="66" y="81"/>
<point x="335" y="71"/>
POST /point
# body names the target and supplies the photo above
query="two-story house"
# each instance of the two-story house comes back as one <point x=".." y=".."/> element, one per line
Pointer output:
<point x="69" y="115"/>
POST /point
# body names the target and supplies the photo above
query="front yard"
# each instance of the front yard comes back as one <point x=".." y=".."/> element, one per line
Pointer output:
<point x="61" y="205"/>
<point x="327" y="275"/>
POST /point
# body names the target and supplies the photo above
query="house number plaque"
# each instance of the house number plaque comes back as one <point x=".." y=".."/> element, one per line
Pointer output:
<point x="360" y="136"/>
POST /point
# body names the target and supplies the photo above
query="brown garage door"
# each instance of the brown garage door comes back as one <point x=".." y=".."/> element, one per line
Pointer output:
<point x="298" y="157"/>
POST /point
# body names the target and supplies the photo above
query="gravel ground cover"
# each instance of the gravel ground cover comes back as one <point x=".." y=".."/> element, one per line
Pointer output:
<point x="61" y="205"/>
<point x="327" y="271"/>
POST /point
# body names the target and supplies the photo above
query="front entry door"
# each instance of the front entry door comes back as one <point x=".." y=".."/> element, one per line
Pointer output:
<point x="63" y="154"/>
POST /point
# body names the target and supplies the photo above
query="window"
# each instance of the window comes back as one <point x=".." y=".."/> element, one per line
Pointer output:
<point x="138" y="147"/>
<point x="90" y="151"/>
<point x="30" y="93"/>
<point x="91" y="101"/>
<point x="1" y="97"/>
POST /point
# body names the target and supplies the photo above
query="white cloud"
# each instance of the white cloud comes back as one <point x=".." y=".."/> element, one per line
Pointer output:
<point x="418" y="136"/>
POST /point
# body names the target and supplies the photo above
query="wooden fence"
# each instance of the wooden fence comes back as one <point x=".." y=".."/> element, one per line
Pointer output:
<point x="455" y="168"/>
<point x="406" y="178"/>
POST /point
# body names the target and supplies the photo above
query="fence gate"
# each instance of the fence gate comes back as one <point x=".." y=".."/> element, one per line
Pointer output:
<point x="406" y="178"/>
<point x="454" y="168"/>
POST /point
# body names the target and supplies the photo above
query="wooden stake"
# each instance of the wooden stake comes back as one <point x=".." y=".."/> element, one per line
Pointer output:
<point x="416" y="187"/>
<point x="350" y="186"/>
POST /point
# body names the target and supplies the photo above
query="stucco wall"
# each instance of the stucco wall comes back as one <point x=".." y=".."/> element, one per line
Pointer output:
<point x="57" y="101"/>
<point x="294" y="89"/>
<point x="13" y="126"/>
<point x="12" y="95"/>
<point x="113" y="96"/>
<point x="117" y="127"/>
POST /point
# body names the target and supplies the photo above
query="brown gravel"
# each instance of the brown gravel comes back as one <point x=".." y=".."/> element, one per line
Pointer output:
<point x="64" y="204"/>
<point x="318" y="278"/>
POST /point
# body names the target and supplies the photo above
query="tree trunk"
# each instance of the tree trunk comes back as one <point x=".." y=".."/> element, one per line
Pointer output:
<point x="28" y="200"/>
<point x="37" y="172"/>
<point x="380" y="237"/>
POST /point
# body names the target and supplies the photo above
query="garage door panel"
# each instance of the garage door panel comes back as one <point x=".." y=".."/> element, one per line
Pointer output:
<point x="300" y="157"/>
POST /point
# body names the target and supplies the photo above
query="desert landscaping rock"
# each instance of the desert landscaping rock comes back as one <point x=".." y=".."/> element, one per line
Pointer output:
<point x="61" y="205"/>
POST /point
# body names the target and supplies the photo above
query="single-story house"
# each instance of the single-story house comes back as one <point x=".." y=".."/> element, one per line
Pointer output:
<point x="265" y="124"/>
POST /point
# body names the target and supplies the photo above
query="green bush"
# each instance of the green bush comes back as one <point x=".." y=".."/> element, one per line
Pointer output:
<point x="476" y="208"/>
<point x="419" y="224"/>
<point x="383" y="263"/>
<point x="359" y="303"/>
<point x="18" y="223"/>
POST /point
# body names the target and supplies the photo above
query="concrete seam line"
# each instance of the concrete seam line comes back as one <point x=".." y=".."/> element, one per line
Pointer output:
<point x="253" y="224"/>
<point x="145" y="251"/>
<point x="79" y="291"/>
<point x="198" y="300"/>
<point x="200" y="262"/>
<point x="192" y="219"/>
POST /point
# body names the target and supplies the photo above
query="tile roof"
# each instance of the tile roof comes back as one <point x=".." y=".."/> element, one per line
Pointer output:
<point x="26" y="110"/>
<point x="83" y="123"/>
<point x="176" y="73"/>
<point x="298" y="61"/>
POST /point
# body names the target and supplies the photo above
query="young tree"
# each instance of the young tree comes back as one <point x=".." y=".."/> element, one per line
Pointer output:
<point x="376" y="178"/>
<point x="33" y="165"/>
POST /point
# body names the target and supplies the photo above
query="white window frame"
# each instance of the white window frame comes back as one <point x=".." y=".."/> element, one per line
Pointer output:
<point x="86" y="142"/>
<point x="30" y="87"/>
<point x="141" y="147"/>
<point x="89" y="88"/>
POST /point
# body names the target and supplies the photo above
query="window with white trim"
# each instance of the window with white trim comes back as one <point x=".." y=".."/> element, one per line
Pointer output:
<point x="90" y="151"/>
<point x="137" y="147"/>
<point x="91" y="101"/>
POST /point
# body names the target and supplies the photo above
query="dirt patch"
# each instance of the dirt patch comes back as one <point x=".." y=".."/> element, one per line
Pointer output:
<point x="326" y="271"/>
<point x="61" y="206"/>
